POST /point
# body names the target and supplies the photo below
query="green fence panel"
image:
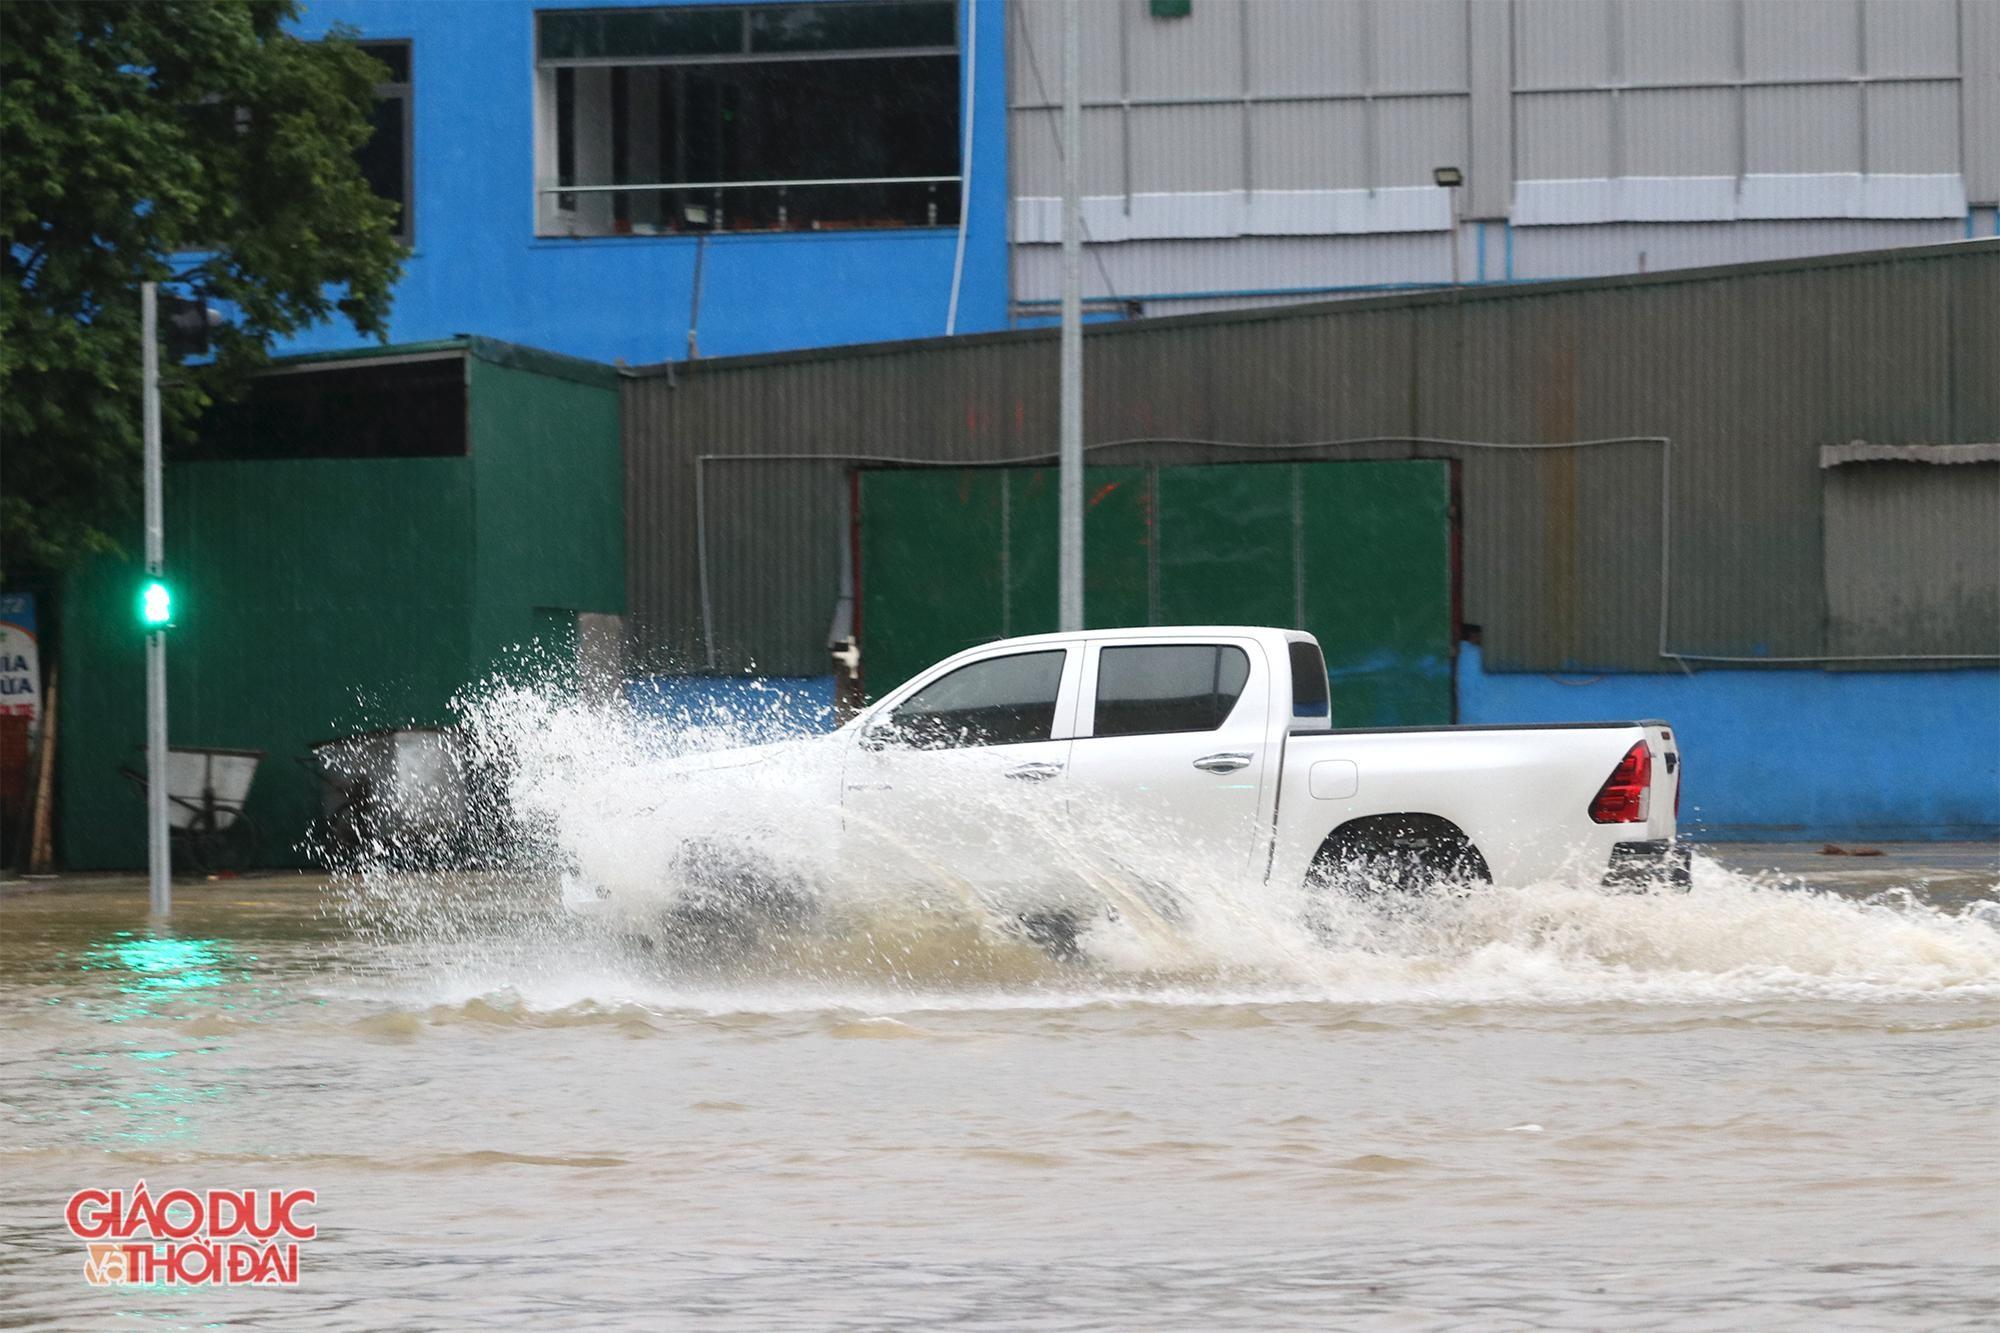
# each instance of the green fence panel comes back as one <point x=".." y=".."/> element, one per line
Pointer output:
<point x="1357" y="553"/>
<point x="931" y="577"/>
<point x="1117" y="541"/>
<point x="1376" y="588"/>
<point x="1226" y="545"/>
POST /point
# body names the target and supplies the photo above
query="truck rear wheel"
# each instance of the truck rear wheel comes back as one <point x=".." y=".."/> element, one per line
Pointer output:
<point x="1409" y="854"/>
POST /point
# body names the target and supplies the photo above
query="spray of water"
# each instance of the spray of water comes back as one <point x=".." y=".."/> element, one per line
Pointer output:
<point x="725" y="871"/>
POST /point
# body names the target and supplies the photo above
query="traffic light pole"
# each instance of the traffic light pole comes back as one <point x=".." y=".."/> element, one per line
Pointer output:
<point x="159" y="864"/>
<point x="1069" y="472"/>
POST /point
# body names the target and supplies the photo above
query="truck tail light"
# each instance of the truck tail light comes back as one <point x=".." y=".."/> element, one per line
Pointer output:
<point x="1626" y="795"/>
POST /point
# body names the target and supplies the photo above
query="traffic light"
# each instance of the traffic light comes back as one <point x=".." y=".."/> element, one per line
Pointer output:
<point x="187" y="325"/>
<point x="156" y="605"/>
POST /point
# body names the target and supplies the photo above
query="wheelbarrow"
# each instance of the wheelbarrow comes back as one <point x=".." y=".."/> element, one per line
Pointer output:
<point x="206" y="791"/>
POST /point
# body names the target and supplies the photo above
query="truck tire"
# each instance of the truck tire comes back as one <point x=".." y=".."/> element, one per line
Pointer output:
<point x="1404" y="853"/>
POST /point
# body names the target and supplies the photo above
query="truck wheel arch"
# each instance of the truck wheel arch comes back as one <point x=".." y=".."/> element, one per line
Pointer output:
<point x="1428" y="849"/>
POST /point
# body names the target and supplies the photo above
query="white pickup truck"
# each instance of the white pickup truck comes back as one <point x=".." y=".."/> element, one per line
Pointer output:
<point x="1026" y="771"/>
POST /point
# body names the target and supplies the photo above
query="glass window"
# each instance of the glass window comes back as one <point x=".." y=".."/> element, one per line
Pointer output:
<point x="723" y="119"/>
<point x="1000" y="701"/>
<point x="1309" y="695"/>
<point x="1168" y="687"/>
<point x="385" y="158"/>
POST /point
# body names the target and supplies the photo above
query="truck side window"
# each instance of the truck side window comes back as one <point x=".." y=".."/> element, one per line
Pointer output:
<point x="1000" y="701"/>
<point x="1169" y="687"/>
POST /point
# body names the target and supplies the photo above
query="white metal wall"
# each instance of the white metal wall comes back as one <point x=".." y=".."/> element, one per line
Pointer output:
<point x="1260" y="150"/>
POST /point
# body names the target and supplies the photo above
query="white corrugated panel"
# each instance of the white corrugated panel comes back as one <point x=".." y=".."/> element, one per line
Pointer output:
<point x="1197" y="56"/>
<point x="1416" y="135"/>
<point x="1420" y="46"/>
<point x="1729" y="199"/>
<point x="1562" y="43"/>
<point x="1686" y="41"/>
<point x="1856" y="196"/>
<point x="1309" y="145"/>
<point x="1801" y="39"/>
<point x="1034" y="46"/>
<point x="1037" y="153"/>
<point x="1913" y="37"/>
<point x="1913" y="128"/>
<point x="1307" y="46"/>
<point x="1562" y="136"/>
<point x="1221" y="214"/>
<point x="1177" y="148"/>
<point x="1580" y="252"/>
<point x="1150" y="269"/>
<point x="1803" y="129"/>
<point x="1682" y="132"/>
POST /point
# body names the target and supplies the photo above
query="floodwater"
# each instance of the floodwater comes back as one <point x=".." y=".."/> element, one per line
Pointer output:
<point x="1764" y="1103"/>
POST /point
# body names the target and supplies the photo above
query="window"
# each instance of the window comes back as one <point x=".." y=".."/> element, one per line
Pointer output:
<point x="1309" y="693"/>
<point x="1170" y="687"/>
<point x="772" y="117"/>
<point x="385" y="158"/>
<point x="1000" y="701"/>
<point x="391" y="408"/>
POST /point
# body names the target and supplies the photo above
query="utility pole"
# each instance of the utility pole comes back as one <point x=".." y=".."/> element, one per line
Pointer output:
<point x="1450" y="180"/>
<point x="1069" y="481"/>
<point x="158" y="855"/>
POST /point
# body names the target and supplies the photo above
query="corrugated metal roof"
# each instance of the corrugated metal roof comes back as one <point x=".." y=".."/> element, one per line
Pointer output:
<point x="494" y="350"/>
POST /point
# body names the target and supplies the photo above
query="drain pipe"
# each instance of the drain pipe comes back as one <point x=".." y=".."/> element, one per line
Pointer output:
<point x="694" y="302"/>
<point x="965" y="165"/>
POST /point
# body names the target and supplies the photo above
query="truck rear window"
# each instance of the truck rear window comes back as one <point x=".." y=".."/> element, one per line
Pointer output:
<point x="1309" y="695"/>
<point x="1150" y="689"/>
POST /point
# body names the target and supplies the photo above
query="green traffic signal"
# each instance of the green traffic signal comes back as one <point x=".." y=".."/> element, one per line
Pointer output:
<point x="156" y="605"/>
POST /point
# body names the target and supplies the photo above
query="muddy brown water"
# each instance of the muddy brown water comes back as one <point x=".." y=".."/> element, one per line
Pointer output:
<point x="1764" y="1103"/>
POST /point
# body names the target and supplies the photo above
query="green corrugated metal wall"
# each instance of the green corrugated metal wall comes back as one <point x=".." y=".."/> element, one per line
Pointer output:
<point x="549" y="504"/>
<point x="317" y="597"/>
<point x="1357" y="553"/>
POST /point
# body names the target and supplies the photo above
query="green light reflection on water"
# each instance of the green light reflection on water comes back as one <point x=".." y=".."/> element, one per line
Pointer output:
<point x="160" y="976"/>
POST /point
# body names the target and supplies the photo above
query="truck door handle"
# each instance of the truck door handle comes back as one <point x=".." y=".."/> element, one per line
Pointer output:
<point x="1222" y="763"/>
<point x="1035" y="772"/>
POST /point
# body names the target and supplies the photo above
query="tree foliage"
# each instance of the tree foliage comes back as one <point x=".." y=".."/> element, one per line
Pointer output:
<point x="192" y="140"/>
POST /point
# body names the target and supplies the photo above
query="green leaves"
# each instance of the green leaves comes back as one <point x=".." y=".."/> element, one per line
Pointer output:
<point x="132" y="133"/>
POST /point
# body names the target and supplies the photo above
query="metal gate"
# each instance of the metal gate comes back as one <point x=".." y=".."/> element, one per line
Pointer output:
<point x="1357" y="553"/>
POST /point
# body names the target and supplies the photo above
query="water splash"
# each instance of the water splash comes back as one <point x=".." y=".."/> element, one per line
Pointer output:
<point x="718" y="842"/>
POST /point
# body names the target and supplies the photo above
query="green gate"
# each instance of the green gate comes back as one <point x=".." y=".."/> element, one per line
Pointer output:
<point x="1357" y="553"/>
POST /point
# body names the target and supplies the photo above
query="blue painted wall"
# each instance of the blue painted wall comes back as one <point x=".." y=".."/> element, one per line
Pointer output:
<point x="751" y="707"/>
<point x="1779" y="755"/>
<point x="478" y="266"/>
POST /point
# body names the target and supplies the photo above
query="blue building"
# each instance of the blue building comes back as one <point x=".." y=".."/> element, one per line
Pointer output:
<point x="508" y="123"/>
<point x="647" y="181"/>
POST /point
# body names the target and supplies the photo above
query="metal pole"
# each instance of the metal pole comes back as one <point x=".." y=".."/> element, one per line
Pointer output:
<point x="1454" y="238"/>
<point x="1070" y="475"/>
<point x="158" y="864"/>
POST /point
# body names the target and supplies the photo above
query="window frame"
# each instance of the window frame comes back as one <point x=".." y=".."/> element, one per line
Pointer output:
<point x="1063" y="728"/>
<point x="557" y="204"/>
<point x="405" y="90"/>
<point x="1257" y="678"/>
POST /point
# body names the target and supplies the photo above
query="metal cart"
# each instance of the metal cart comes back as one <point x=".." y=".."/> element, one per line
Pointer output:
<point x="206" y="790"/>
<point x="397" y="796"/>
